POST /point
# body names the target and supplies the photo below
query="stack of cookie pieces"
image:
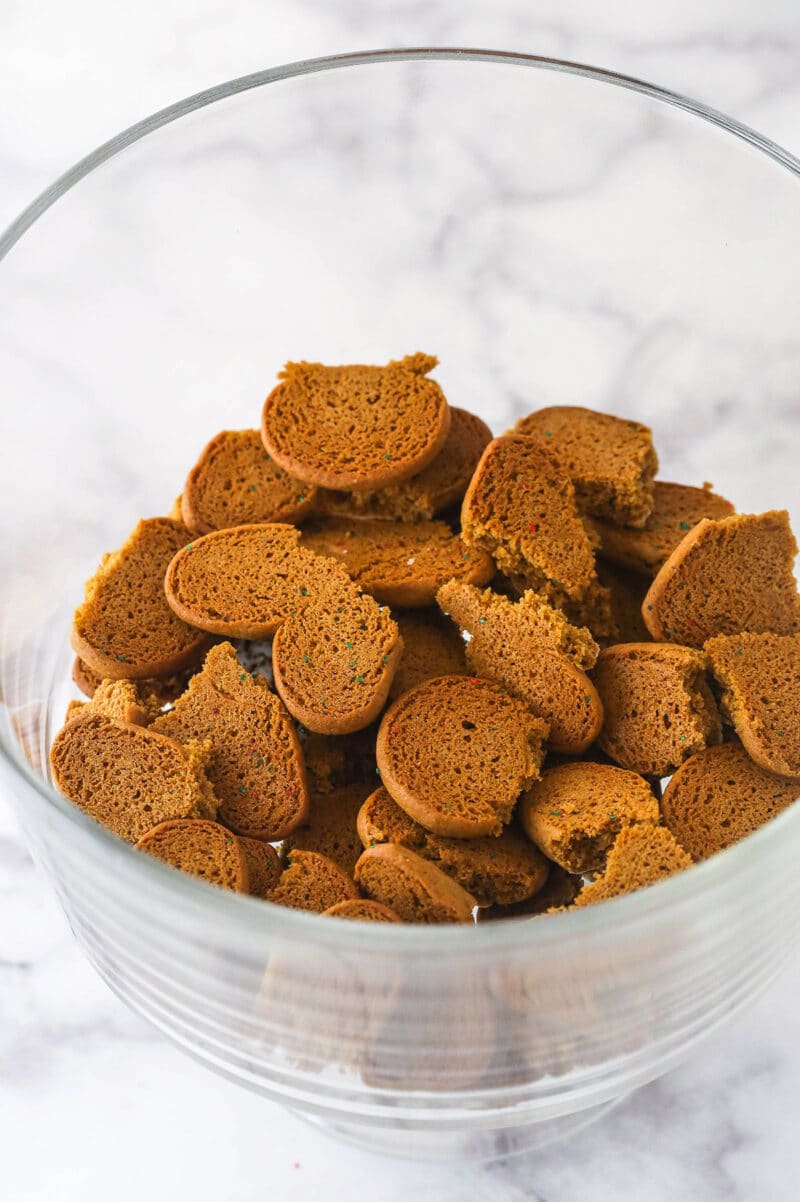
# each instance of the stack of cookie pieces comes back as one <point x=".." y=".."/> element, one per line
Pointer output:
<point x="380" y="665"/>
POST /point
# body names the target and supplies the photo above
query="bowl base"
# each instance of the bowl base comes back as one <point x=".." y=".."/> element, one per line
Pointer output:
<point x="474" y="1146"/>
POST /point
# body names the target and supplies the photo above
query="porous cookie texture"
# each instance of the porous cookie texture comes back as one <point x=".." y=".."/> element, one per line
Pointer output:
<point x="496" y="871"/>
<point x="335" y="660"/>
<point x="330" y="827"/>
<point x="364" y="910"/>
<point x="130" y="778"/>
<point x="531" y="618"/>
<point x="334" y="761"/>
<point x="236" y="483"/>
<point x="611" y="461"/>
<point x="760" y="679"/>
<point x="161" y="689"/>
<point x="558" y="893"/>
<point x="263" y="865"/>
<point x="124" y="700"/>
<point x="256" y="762"/>
<point x="399" y="563"/>
<point x="312" y="882"/>
<point x="626" y="591"/>
<point x="720" y="796"/>
<point x="243" y="582"/>
<point x="677" y="508"/>
<point x="124" y="628"/>
<point x="520" y="507"/>
<point x="203" y="849"/>
<point x="440" y="485"/>
<point x="431" y="647"/>
<point x="577" y="810"/>
<point x="356" y="426"/>
<point x="658" y="707"/>
<point x="415" y="889"/>
<point x="726" y="577"/>
<point x="456" y="752"/>
<point x="532" y="649"/>
<point x="642" y="855"/>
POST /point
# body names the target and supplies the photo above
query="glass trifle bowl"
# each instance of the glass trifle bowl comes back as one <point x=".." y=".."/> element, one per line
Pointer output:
<point x="556" y="234"/>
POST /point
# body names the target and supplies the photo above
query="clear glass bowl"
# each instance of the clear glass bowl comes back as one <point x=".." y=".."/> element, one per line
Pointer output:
<point x="553" y="239"/>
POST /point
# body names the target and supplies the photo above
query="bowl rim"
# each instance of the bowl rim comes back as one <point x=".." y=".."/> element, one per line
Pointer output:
<point x="220" y="908"/>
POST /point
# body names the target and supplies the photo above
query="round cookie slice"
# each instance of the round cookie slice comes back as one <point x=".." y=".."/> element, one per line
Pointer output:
<point x="334" y="662"/>
<point x="677" y="508"/>
<point x="658" y="707"/>
<point x="356" y="426"/>
<point x="129" y="778"/>
<point x="416" y="890"/>
<point x="312" y="882"/>
<point x="235" y="483"/>
<point x="726" y="577"/>
<point x="161" y="689"/>
<point x="760" y="677"/>
<point x="330" y="828"/>
<point x="576" y="811"/>
<point x="263" y="865"/>
<point x="124" y="629"/>
<point x="456" y="752"/>
<point x="364" y="910"/>
<point x="497" y="870"/>
<point x="720" y="796"/>
<point x="532" y="649"/>
<point x="244" y="581"/>
<point x="642" y="855"/>
<point x="611" y="461"/>
<point x="203" y="849"/>
<point x="256" y="764"/>
<point x="431" y="647"/>
<point x="440" y="485"/>
<point x="399" y="563"/>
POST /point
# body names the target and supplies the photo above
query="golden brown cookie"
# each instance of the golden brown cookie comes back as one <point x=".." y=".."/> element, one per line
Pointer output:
<point x="760" y="678"/>
<point x="312" y="882"/>
<point x="642" y="855"/>
<point x="414" y="888"/>
<point x="256" y="765"/>
<point x="129" y="778"/>
<point x="162" y="689"/>
<point x="456" y="752"/>
<point x="201" y="848"/>
<point x="335" y="660"/>
<point x="440" y="485"/>
<point x="481" y="612"/>
<point x="626" y="591"/>
<point x="364" y="910"/>
<point x="532" y="649"/>
<point x="356" y="426"/>
<point x="520" y="507"/>
<point x="124" y="628"/>
<point x="243" y="582"/>
<point x="558" y="893"/>
<point x="611" y="461"/>
<point x="726" y="577"/>
<point x="263" y="865"/>
<point x="431" y="647"/>
<point x="677" y="508"/>
<point x="330" y="827"/>
<point x="720" y="796"/>
<point x="496" y="871"/>
<point x="236" y="483"/>
<point x="399" y="563"/>
<point x="335" y="761"/>
<point x="575" y="812"/>
<point x="658" y="707"/>
<point x="124" y="700"/>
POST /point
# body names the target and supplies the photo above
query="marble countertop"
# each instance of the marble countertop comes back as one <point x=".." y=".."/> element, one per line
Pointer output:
<point x="93" y="1103"/>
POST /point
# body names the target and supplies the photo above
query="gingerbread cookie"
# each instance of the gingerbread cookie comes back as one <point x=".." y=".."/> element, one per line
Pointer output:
<point x="431" y="647"/>
<point x="356" y="426"/>
<point x="201" y="848"/>
<point x="312" y="882"/>
<point x="726" y="577"/>
<point x="415" y="889"/>
<point x="330" y="827"/>
<point x="263" y="865"/>
<point x="456" y="752"/>
<point x="677" y="508"/>
<point x="642" y="855"/>
<point x="362" y="909"/>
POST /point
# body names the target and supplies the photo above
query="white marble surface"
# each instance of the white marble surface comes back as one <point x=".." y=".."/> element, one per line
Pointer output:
<point x="92" y="1103"/>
